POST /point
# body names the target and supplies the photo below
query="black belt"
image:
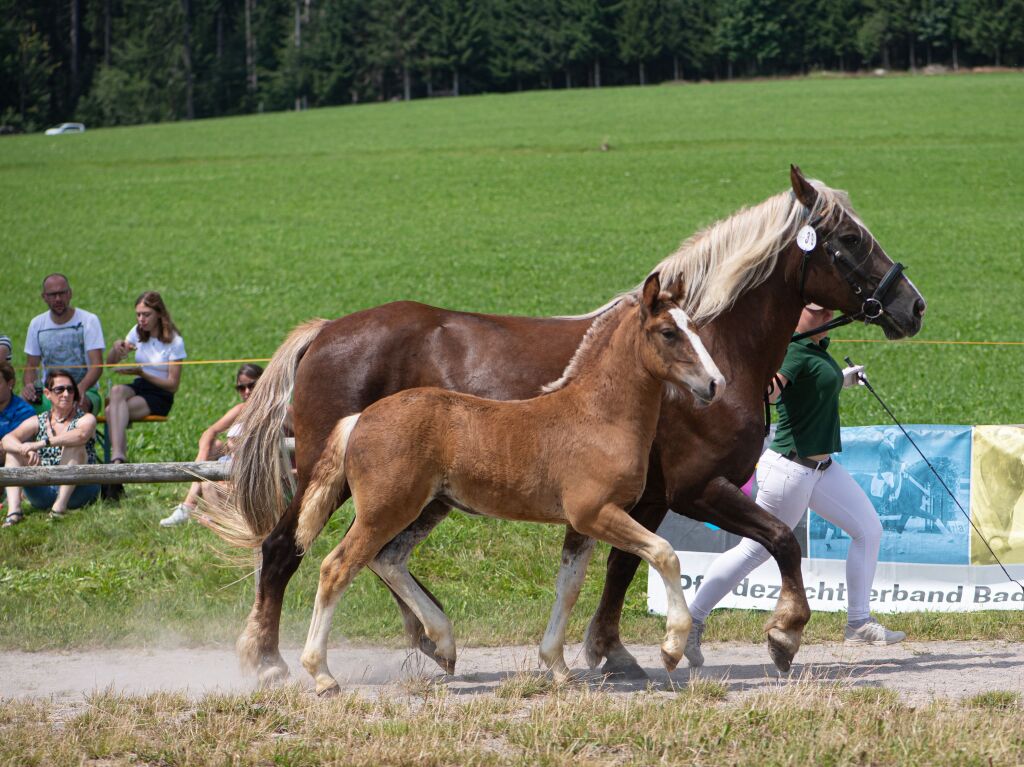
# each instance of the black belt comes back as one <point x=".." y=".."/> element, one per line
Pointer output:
<point x="816" y="465"/>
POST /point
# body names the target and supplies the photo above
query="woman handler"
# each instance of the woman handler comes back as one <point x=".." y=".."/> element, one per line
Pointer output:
<point x="796" y="472"/>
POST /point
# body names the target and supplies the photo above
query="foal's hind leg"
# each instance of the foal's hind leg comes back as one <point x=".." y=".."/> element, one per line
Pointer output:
<point x="360" y="545"/>
<point x="576" y="551"/>
<point x="426" y="624"/>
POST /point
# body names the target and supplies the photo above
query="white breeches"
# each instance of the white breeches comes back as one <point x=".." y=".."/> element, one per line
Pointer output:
<point x="785" y="490"/>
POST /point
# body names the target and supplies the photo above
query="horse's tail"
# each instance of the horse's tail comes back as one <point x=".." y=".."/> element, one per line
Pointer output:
<point x="321" y="497"/>
<point x="261" y="467"/>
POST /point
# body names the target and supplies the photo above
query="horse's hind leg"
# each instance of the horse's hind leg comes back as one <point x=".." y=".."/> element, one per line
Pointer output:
<point x="576" y="551"/>
<point x="426" y="624"/>
<point x="257" y="646"/>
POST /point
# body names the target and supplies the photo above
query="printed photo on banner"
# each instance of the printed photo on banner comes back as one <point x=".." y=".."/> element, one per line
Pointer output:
<point x="920" y="520"/>
<point x="997" y="494"/>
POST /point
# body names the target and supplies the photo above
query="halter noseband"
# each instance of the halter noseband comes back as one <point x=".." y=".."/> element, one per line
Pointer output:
<point x="872" y="307"/>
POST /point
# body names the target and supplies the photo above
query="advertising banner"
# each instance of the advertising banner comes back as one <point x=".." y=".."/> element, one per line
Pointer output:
<point x="929" y="558"/>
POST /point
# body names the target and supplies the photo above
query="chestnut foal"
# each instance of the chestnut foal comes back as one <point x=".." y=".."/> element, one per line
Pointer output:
<point x="577" y="455"/>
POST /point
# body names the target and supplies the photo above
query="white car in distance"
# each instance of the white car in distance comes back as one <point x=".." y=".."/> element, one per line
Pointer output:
<point x="65" y="128"/>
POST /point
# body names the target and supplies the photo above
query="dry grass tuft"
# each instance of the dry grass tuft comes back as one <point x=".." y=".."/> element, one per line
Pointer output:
<point x="526" y="684"/>
<point x="1000" y="700"/>
<point x="801" y="721"/>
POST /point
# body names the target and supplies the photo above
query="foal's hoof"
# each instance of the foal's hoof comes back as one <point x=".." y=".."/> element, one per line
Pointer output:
<point x="670" y="661"/>
<point x="329" y="691"/>
<point x="782" y="649"/>
<point x="429" y="648"/>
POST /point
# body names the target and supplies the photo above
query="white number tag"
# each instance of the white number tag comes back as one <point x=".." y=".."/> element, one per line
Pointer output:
<point x="806" y="239"/>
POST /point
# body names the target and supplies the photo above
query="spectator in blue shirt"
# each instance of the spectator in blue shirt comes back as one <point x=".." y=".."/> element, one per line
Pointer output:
<point x="13" y="409"/>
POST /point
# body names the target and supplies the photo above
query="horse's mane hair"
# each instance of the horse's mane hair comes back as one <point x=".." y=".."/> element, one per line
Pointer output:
<point x="723" y="261"/>
<point x="594" y="340"/>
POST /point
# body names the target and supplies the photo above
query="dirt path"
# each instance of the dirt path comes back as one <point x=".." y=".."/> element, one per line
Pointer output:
<point x="920" y="671"/>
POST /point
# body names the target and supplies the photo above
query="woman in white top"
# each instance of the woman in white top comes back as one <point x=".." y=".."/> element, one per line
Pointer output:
<point x="210" y="446"/>
<point x="156" y="342"/>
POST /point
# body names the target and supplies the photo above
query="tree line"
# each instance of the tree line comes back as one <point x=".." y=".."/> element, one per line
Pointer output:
<point x="114" y="62"/>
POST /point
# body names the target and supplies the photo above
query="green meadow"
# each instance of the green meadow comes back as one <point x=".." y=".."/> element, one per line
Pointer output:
<point x="536" y="203"/>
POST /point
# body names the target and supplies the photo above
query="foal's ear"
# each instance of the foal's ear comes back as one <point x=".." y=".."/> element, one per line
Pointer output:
<point x="651" y="292"/>
<point x="802" y="188"/>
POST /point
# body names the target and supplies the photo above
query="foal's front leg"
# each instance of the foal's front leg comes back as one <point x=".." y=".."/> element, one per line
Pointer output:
<point x="576" y="551"/>
<point x="613" y="525"/>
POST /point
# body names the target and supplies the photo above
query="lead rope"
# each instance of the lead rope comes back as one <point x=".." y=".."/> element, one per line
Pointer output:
<point x="864" y="379"/>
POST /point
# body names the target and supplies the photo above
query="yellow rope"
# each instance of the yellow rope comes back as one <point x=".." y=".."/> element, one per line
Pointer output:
<point x="239" y="361"/>
<point x="933" y="343"/>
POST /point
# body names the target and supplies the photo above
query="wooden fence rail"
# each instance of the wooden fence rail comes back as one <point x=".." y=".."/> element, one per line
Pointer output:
<point x="119" y="473"/>
<point x="114" y="473"/>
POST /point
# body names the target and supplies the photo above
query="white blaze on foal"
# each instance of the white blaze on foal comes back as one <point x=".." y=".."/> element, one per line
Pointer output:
<point x="683" y="322"/>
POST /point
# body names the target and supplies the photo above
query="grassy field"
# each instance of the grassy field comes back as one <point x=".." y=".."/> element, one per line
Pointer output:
<point x="493" y="203"/>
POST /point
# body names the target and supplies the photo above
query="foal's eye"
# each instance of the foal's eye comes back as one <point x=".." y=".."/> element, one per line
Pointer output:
<point x="668" y="335"/>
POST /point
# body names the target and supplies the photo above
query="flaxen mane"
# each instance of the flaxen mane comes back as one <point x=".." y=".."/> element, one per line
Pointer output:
<point x="720" y="263"/>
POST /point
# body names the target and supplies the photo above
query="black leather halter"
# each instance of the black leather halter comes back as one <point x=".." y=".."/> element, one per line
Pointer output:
<point x="872" y="307"/>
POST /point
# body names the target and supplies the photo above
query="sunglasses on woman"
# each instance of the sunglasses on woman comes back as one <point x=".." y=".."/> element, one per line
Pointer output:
<point x="58" y="390"/>
<point x="245" y="386"/>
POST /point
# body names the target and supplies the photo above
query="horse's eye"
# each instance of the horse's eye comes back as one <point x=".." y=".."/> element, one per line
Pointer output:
<point x="850" y="240"/>
<point x="668" y="335"/>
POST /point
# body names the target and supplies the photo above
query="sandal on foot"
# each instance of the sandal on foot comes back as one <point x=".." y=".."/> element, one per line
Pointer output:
<point x="13" y="518"/>
<point x="56" y="514"/>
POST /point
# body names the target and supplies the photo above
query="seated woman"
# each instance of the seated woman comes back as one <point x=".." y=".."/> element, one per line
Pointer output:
<point x="210" y="446"/>
<point x="64" y="435"/>
<point x="156" y="342"/>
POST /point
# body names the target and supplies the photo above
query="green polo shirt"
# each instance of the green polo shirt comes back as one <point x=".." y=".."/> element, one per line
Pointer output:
<point x="809" y="407"/>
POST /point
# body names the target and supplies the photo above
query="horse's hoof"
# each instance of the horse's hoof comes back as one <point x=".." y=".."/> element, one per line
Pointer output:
<point x="622" y="668"/>
<point x="782" y="649"/>
<point x="271" y="676"/>
<point x="592" y="657"/>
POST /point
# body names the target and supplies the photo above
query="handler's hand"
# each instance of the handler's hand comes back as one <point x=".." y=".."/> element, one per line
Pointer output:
<point x="851" y="376"/>
<point x="131" y="371"/>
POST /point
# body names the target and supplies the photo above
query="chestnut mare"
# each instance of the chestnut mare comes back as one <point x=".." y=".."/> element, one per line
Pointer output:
<point x="576" y="455"/>
<point x="746" y="280"/>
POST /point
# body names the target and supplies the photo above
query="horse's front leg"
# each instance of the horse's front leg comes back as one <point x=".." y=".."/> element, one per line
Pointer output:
<point x="576" y="551"/>
<point x="725" y="505"/>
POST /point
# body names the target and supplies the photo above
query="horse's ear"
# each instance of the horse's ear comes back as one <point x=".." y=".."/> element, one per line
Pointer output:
<point x="651" y="292"/>
<point x="802" y="188"/>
